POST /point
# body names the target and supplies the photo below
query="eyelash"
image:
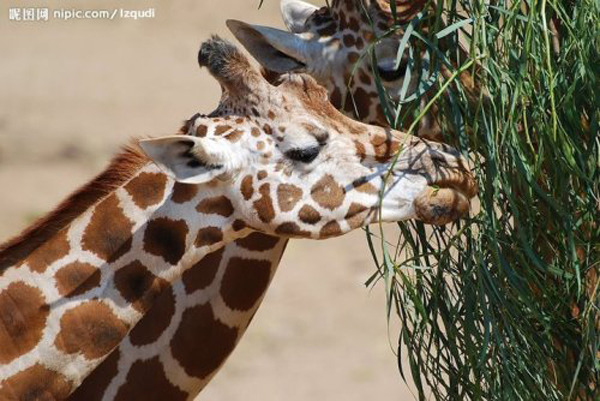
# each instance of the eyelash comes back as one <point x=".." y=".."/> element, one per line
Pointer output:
<point x="305" y="155"/>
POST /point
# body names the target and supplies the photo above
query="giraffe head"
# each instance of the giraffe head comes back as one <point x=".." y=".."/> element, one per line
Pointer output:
<point x="331" y="43"/>
<point x="288" y="163"/>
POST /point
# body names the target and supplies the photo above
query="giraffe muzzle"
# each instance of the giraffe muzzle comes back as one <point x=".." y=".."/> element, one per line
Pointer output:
<point x="451" y="185"/>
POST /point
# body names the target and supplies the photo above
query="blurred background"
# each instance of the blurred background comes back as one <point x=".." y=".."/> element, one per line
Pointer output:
<point x="74" y="91"/>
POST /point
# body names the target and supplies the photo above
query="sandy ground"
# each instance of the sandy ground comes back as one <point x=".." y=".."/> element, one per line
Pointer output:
<point x="73" y="91"/>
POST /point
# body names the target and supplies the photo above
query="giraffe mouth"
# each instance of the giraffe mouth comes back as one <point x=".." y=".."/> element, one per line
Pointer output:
<point x="447" y="198"/>
<point x="449" y="183"/>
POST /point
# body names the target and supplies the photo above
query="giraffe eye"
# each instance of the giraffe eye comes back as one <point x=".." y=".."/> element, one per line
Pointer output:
<point x="305" y="155"/>
<point x="386" y="69"/>
<point x="391" y="75"/>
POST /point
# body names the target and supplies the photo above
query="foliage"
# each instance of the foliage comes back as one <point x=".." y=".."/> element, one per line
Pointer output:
<point x="504" y="305"/>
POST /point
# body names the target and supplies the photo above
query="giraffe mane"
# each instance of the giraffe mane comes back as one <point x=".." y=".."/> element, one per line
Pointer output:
<point x="121" y="168"/>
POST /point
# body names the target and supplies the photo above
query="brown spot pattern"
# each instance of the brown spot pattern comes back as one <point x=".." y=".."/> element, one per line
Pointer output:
<point x="246" y="187"/>
<point x="288" y="196"/>
<point x="22" y="321"/>
<point x="220" y="205"/>
<point x="35" y="383"/>
<point x="291" y="229"/>
<point x="262" y="174"/>
<point x="202" y="343"/>
<point x="147" y="189"/>
<point x="90" y="328"/>
<point x="76" y="278"/>
<point x="221" y="129"/>
<point x="93" y="387"/>
<point x="138" y="286"/>
<point x="109" y="233"/>
<point x="328" y="193"/>
<point x="336" y="98"/>
<point x="238" y="225"/>
<point x="155" y="321"/>
<point x="234" y="136"/>
<point x="360" y="150"/>
<point x="244" y="282"/>
<point x="264" y="205"/>
<point x="356" y="215"/>
<point x="208" y="236"/>
<point x="267" y="129"/>
<point x="257" y="241"/>
<point x="309" y="215"/>
<point x="49" y="252"/>
<point x="202" y="274"/>
<point x="201" y="130"/>
<point x="362" y="101"/>
<point x="183" y="192"/>
<point x="166" y="238"/>
<point x="348" y="40"/>
<point x="361" y="185"/>
<point x="363" y="76"/>
<point x="330" y="229"/>
<point x="146" y="381"/>
<point x="354" y="24"/>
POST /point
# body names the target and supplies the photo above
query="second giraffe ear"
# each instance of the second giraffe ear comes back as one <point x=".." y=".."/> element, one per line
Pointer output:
<point x="274" y="49"/>
<point x="295" y="13"/>
<point x="188" y="159"/>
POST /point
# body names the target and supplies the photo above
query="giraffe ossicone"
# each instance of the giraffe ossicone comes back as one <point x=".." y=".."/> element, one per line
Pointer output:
<point x="113" y="269"/>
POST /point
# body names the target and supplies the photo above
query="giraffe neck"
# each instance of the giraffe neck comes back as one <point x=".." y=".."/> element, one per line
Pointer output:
<point x="194" y="326"/>
<point x="68" y="304"/>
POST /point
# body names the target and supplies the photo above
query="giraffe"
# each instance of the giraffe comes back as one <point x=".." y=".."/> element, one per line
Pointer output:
<point x="271" y="163"/>
<point x="328" y="43"/>
<point x="331" y="43"/>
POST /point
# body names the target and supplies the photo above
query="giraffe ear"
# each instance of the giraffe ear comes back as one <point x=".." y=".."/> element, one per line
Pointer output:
<point x="295" y="13"/>
<point x="274" y="49"/>
<point x="188" y="159"/>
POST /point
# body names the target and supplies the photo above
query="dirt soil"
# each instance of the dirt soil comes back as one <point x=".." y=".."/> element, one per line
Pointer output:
<point x="74" y="91"/>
